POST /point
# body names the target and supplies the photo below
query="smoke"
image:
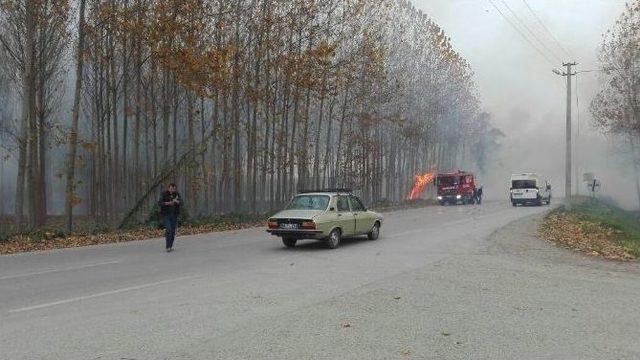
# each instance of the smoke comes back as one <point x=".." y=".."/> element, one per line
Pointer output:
<point x="527" y="101"/>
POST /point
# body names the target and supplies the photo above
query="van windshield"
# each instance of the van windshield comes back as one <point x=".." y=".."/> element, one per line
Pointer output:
<point x="523" y="184"/>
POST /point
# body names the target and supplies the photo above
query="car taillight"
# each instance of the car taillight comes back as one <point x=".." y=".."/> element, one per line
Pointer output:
<point x="272" y="224"/>
<point x="308" y="225"/>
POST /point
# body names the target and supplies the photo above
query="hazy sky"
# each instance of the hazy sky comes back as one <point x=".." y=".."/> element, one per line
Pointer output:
<point x="518" y="88"/>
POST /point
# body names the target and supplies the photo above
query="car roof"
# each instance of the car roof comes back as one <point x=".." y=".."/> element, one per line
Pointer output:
<point x="329" y="193"/>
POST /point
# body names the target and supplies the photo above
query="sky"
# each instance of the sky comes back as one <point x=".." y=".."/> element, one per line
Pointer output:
<point x="528" y="101"/>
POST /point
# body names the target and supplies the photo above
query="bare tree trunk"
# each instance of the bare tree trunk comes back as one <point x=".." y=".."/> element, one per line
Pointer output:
<point x="29" y="107"/>
<point x="124" y="192"/>
<point x="135" y="185"/>
<point x="75" y="114"/>
<point x="20" y="178"/>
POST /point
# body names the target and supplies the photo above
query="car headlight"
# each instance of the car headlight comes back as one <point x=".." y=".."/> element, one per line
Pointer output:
<point x="458" y="197"/>
<point x="440" y="198"/>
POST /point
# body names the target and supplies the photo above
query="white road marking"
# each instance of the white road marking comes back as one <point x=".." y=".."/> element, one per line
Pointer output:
<point x="8" y="277"/>
<point x="105" y="293"/>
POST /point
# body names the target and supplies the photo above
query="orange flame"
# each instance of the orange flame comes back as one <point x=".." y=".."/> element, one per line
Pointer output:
<point x="420" y="183"/>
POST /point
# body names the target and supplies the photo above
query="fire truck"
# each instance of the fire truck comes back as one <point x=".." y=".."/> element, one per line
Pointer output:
<point x="456" y="188"/>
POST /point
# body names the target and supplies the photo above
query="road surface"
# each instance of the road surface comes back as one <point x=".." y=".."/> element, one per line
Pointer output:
<point x="440" y="283"/>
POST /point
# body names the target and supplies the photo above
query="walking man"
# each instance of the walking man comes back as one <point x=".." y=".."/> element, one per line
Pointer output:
<point x="479" y="195"/>
<point x="169" y="209"/>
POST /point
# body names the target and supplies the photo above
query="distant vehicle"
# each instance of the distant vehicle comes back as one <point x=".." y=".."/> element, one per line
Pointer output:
<point x="328" y="215"/>
<point x="529" y="188"/>
<point x="456" y="188"/>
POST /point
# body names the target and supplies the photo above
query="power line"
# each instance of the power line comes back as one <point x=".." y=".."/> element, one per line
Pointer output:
<point x="547" y="29"/>
<point x="522" y="34"/>
<point x="528" y="29"/>
<point x="591" y="70"/>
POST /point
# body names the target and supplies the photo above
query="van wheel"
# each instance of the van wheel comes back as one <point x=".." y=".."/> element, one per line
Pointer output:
<point x="375" y="232"/>
<point x="333" y="241"/>
<point x="289" y="242"/>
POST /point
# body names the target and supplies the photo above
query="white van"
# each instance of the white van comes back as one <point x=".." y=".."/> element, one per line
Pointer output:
<point x="530" y="188"/>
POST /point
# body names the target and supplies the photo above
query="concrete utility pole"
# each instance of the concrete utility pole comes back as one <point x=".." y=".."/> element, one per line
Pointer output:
<point x="568" y="166"/>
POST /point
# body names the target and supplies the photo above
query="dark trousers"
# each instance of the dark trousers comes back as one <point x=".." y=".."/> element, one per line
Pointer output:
<point x="170" y="223"/>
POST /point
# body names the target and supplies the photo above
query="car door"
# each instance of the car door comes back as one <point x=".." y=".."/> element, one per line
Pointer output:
<point x="364" y="223"/>
<point x="346" y="219"/>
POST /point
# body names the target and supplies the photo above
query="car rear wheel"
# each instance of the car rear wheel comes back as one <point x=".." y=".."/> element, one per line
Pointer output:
<point x="333" y="241"/>
<point x="375" y="232"/>
<point x="289" y="242"/>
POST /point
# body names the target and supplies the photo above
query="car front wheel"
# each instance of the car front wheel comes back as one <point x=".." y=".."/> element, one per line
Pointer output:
<point x="289" y="242"/>
<point x="334" y="239"/>
<point x="375" y="232"/>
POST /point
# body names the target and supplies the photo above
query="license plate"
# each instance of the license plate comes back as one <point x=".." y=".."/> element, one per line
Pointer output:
<point x="288" y="226"/>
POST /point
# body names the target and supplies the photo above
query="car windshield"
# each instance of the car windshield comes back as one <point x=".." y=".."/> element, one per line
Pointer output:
<point x="447" y="180"/>
<point x="523" y="184"/>
<point x="309" y="202"/>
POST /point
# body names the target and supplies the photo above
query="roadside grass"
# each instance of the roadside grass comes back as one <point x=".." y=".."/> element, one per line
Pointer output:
<point x="596" y="228"/>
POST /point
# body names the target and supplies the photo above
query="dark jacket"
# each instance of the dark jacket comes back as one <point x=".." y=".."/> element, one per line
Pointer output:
<point x="166" y="196"/>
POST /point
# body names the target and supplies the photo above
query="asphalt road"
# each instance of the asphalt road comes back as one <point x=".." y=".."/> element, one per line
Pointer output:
<point x="440" y="283"/>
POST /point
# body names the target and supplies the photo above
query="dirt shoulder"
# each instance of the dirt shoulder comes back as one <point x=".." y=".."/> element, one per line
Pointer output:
<point x="521" y="241"/>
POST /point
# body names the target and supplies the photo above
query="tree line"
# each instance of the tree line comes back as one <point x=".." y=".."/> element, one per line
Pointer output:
<point x="616" y="107"/>
<point x="241" y="102"/>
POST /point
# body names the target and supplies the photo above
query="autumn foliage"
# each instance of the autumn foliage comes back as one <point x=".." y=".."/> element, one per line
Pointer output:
<point x="244" y="102"/>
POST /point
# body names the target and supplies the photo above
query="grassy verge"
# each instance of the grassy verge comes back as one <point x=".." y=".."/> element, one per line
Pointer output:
<point x="595" y="228"/>
<point x="53" y="238"/>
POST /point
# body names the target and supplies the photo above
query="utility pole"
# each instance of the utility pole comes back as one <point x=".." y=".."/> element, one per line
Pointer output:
<point x="568" y="165"/>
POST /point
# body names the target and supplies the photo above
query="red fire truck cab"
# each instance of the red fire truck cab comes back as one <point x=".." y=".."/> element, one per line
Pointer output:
<point x="456" y="188"/>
